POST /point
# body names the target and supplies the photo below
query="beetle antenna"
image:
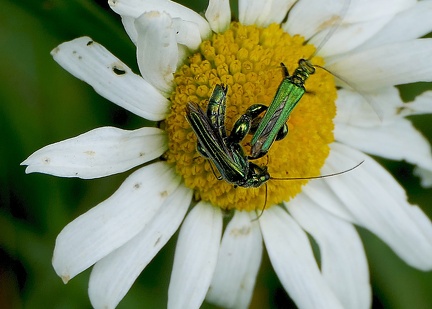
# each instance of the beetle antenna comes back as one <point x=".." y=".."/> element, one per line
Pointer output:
<point x="265" y="203"/>
<point x="321" y="176"/>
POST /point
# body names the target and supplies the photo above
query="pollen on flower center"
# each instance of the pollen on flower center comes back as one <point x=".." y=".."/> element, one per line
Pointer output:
<point x="247" y="59"/>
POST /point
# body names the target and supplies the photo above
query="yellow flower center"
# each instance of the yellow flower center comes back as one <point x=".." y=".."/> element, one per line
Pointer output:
<point x="247" y="59"/>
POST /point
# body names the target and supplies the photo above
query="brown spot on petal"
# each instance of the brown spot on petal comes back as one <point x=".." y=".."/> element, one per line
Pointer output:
<point x="118" y="69"/>
<point x="333" y="20"/>
<point x="245" y="230"/>
<point x="157" y="241"/>
<point x="65" y="278"/>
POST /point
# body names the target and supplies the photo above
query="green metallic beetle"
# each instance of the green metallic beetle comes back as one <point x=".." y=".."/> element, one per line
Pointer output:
<point x="225" y="152"/>
<point x="272" y="126"/>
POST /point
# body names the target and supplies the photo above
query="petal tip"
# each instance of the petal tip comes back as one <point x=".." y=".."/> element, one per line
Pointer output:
<point x="55" y="51"/>
<point x="112" y="3"/>
<point x="65" y="278"/>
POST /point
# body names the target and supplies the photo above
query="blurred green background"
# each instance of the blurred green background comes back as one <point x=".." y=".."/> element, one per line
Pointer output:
<point x="41" y="103"/>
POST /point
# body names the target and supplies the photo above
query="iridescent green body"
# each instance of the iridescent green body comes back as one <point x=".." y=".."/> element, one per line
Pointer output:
<point x="272" y="126"/>
<point x="223" y="151"/>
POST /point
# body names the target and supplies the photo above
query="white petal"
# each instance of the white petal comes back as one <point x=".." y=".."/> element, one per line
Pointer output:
<point x="405" y="26"/>
<point x="425" y="176"/>
<point x="250" y="10"/>
<point x="195" y="257"/>
<point x="129" y="25"/>
<point x="278" y="11"/>
<point x="387" y="65"/>
<point x="134" y="8"/>
<point x="238" y="263"/>
<point x="355" y="21"/>
<point x="367" y="110"/>
<point x="362" y="20"/>
<point x="343" y="260"/>
<point x="157" y="51"/>
<point x="383" y="132"/>
<point x="184" y="52"/>
<point x="378" y="203"/>
<point x="399" y="140"/>
<point x="186" y="33"/>
<point x="263" y="13"/>
<point x="421" y="105"/>
<point x="376" y="8"/>
<point x="292" y="258"/>
<point x="341" y="41"/>
<point x="115" y="221"/>
<point x="378" y="108"/>
<point x="112" y="277"/>
<point x="111" y="78"/>
<point x="318" y="191"/>
<point x="218" y="14"/>
<point x="98" y="153"/>
<point x="307" y="17"/>
<point x="370" y="109"/>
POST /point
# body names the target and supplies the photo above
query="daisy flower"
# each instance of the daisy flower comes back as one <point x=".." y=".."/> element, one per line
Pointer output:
<point x="181" y="57"/>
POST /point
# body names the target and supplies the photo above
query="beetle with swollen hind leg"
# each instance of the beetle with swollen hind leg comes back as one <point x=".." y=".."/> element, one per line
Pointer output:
<point x="225" y="152"/>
